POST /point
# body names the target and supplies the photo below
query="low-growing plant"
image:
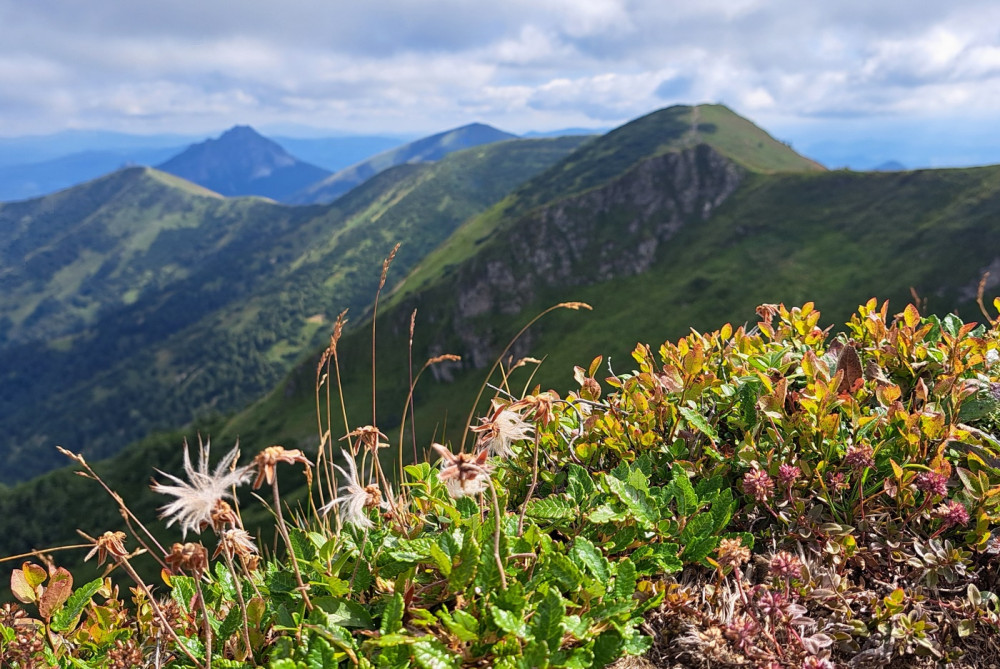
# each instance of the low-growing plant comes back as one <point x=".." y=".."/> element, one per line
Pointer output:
<point x="776" y="496"/>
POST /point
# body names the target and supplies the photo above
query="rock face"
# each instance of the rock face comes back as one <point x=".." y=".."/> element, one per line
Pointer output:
<point x="611" y="231"/>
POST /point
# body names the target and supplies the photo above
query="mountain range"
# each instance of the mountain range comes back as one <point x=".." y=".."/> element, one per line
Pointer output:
<point x="160" y="303"/>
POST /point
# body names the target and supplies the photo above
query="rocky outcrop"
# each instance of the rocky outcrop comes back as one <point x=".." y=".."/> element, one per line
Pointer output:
<point x="614" y="230"/>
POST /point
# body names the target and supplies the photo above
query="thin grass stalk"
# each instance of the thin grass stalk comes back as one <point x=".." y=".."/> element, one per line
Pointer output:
<point x="288" y="544"/>
<point x="157" y="610"/>
<point x="381" y="284"/>
<point x="497" y="520"/>
<point x="205" y="623"/>
<point x="409" y="399"/>
<point x="38" y="553"/>
<point x="531" y="488"/>
<point x="240" y="600"/>
<point x="479" y="395"/>
<point x="125" y="511"/>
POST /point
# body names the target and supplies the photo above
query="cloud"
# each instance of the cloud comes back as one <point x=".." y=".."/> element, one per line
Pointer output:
<point x="415" y="66"/>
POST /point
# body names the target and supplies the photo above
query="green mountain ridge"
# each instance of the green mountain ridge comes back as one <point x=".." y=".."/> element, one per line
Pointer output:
<point x="683" y="232"/>
<point x="216" y="335"/>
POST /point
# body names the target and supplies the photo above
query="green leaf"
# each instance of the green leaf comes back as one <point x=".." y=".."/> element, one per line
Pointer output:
<point x="640" y="504"/>
<point x="321" y="654"/>
<point x="66" y="617"/>
<point x="302" y="545"/>
<point x="344" y="612"/>
<point x="625" y="579"/>
<point x="430" y="653"/>
<point x="551" y="508"/>
<point x="509" y="622"/>
<point x="683" y="492"/>
<point x="722" y="510"/>
<point x="605" y="514"/>
<point x="441" y="560"/>
<point x="579" y="484"/>
<point x="468" y="561"/>
<point x="607" y="648"/>
<point x="699" y="422"/>
<point x="231" y="623"/>
<point x="392" y="615"/>
<point x="459" y="626"/>
<point x="546" y="625"/>
<point x="565" y="572"/>
<point x="580" y="658"/>
<point x="585" y="553"/>
<point x="182" y="591"/>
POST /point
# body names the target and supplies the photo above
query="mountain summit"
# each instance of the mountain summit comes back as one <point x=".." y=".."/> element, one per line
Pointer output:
<point x="243" y="162"/>
<point x="422" y="150"/>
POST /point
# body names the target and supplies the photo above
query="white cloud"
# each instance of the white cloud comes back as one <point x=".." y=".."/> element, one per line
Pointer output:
<point x="414" y="66"/>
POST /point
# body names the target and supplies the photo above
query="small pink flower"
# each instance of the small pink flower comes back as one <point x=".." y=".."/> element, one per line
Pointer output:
<point x="785" y="565"/>
<point x="788" y="474"/>
<point x="859" y="457"/>
<point x="758" y="485"/>
<point x="932" y="483"/>
<point x="952" y="513"/>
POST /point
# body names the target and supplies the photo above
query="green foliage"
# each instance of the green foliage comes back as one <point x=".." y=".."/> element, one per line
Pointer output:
<point x="844" y="465"/>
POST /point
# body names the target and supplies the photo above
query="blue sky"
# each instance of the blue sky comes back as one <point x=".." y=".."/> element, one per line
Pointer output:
<point x="921" y="77"/>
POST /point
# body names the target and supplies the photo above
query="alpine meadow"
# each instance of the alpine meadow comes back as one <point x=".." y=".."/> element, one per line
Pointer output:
<point x="669" y="396"/>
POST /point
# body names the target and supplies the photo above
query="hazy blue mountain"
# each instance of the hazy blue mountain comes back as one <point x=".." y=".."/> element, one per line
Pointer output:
<point x="563" y="132"/>
<point x="336" y="153"/>
<point x="243" y="162"/>
<point x="38" y="148"/>
<point x="427" y="149"/>
<point x="22" y="181"/>
<point x="889" y="166"/>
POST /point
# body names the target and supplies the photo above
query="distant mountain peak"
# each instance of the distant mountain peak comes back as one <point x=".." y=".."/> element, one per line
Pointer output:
<point x="241" y="161"/>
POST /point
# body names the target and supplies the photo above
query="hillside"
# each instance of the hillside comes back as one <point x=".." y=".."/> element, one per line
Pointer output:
<point x="426" y="149"/>
<point x="685" y="234"/>
<point x="242" y="162"/>
<point x="236" y="292"/>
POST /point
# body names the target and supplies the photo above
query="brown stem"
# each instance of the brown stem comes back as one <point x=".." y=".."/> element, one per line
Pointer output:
<point x="531" y="489"/>
<point x="157" y="610"/>
<point x="242" y="602"/>
<point x="288" y="544"/>
<point x="496" y="533"/>
<point x="205" y="623"/>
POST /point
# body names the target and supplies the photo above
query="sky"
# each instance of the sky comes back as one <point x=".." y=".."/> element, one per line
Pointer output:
<point x="915" y="81"/>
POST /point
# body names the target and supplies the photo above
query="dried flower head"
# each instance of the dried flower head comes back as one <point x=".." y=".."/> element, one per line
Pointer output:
<point x="189" y="557"/>
<point x="859" y="457"/>
<point x="758" y="485"/>
<point x="223" y="515"/>
<point x="463" y="474"/>
<point x="236" y="542"/>
<point x="368" y="437"/>
<point x="267" y="461"/>
<point x="785" y="566"/>
<point x="109" y="543"/>
<point x="732" y="552"/>
<point x="932" y="483"/>
<point x="198" y="498"/>
<point x="742" y="632"/>
<point x="354" y="498"/>
<point x="837" y="482"/>
<point x="788" y="474"/>
<point x="952" y="512"/>
<point x="501" y="429"/>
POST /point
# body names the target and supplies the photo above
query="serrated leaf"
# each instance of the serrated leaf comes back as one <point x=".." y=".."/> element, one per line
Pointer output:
<point x="458" y="626"/>
<point x="552" y="508"/>
<point x="429" y="653"/>
<point x="392" y="615"/>
<point x="722" y="510"/>
<point x="580" y="658"/>
<point x="65" y="618"/>
<point x="625" y="578"/>
<point x="321" y="654"/>
<point x="639" y="504"/>
<point x="579" y="484"/>
<point x="546" y="624"/>
<point x="683" y="491"/>
<point x="230" y="624"/>
<point x="565" y="572"/>
<point x="699" y="549"/>
<point x="699" y="422"/>
<point x="302" y="545"/>
<point x="585" y="553"/>
<point x="344" y="612"/>
<point x="441" y="560"/>
<point x="509" y="622"/>
<point x="182" y="590"/>
<point x="607" y="648"/>
<point x="468" y="561"/>
<point x="605" y="514"/>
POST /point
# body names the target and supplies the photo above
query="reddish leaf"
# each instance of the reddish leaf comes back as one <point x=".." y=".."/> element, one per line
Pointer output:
<point x="59" y="590"/>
